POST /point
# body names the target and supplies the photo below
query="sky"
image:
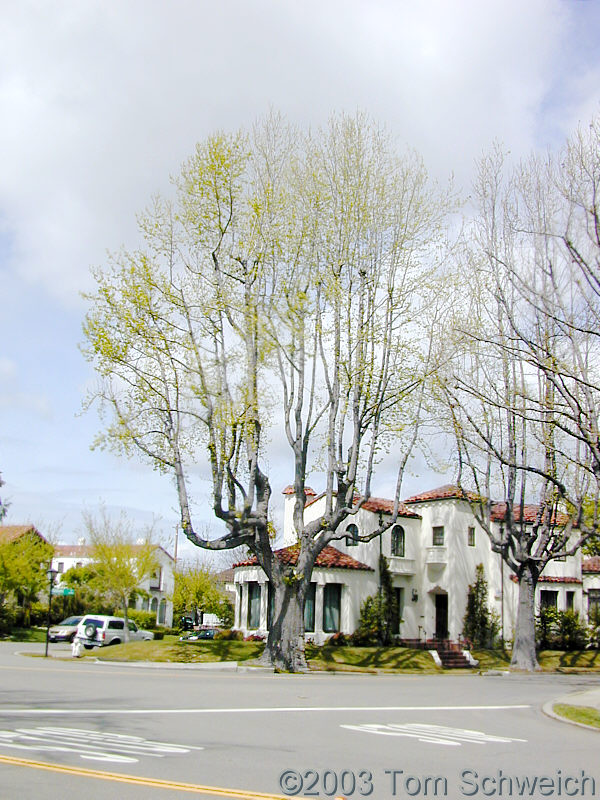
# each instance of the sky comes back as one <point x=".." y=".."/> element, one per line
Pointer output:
<point x="100" y="104"/>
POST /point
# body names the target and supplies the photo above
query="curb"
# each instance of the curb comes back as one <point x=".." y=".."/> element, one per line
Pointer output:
<point x="548" y="710"/>
<point x="208" y="666"/>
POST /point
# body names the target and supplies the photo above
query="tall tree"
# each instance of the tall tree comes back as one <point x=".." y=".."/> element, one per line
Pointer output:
<point x="287" y="294"/>
<point x="24" y="559"/>
<point x="121" y="559"/>
<point x="525" y="395"/>
<point x="197" y="589"/>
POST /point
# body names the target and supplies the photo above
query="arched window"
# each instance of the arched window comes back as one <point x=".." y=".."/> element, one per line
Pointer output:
<point x="351" y="535"/>
<point x="162" y="611"/>
<point x="398" y="541"/>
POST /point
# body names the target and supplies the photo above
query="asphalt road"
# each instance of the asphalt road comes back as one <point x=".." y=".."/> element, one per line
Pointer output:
<point x="80" y="729"/>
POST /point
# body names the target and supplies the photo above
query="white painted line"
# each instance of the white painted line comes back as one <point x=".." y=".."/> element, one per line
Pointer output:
<point x="89" y="744"/>
<point x="257" y="710"/>
<point x="432" y="734"/>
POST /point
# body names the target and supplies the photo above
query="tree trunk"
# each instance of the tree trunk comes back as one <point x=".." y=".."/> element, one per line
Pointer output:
<point x="285" y="644"/>
<point x="523" y="654"/>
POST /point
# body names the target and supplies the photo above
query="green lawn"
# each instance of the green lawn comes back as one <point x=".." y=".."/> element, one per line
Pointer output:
<point x="584" y="714"/>
<point x="26" y="635"/>
<point x="171" y="649"/>
<point x="575" y="661"/>
<point x="370" y="659"/>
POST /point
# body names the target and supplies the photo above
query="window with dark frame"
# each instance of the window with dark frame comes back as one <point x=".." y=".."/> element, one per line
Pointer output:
<point x="398" y="541"/>
<point x="471" y="536"/>
<point x="253" y="604"/>
<point x="548" y="598"/>
<point x="438" y="536"/>
<point x="351" y="535"/>
<point x="332" y="602"/>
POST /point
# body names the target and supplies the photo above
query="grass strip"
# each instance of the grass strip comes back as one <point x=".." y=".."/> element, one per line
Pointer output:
<point x="586" y="715"/>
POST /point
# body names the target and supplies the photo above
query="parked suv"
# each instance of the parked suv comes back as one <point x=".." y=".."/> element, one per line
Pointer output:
<point x="99" y="631"/>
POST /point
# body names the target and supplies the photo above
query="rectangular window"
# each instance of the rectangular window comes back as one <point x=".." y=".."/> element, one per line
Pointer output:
<point x="61" y="566"/>
<point x="270" y="605"/>
<point x="332" y="595"/>
<point x="594" y="606"/>
<point x="253" y="604"/>
<point x="570" y="601"/>
<point x="471" y="536"/>
<point x="399" y="597"/>
<point x="438" y="536"/>
<point x="309" y="608"/>
<point x="548" y="599"/>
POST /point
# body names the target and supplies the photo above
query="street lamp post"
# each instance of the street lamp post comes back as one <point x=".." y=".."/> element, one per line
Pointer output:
<point x="51" y="573"/>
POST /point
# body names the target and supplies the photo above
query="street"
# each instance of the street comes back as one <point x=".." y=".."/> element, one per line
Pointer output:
<point x="80" y="728"/>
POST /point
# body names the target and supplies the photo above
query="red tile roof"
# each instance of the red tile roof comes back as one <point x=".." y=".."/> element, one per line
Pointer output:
<point x="307" y="491"/>
<point x="376" y="505"/>
<point x="447" y="492"/>
<point x="72" y="550"/>
<point x="530" y="513"/>
<point x="550" y="579"/>
<point x="328" y="558"/>
<point x="85" y="550"/>
<point x="10" y="533"/>
<point x="591" y="565"/>
<point x="498" y="512"/>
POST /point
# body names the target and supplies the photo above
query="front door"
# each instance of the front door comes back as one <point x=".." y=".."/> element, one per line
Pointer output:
<point x="441" y="616"/>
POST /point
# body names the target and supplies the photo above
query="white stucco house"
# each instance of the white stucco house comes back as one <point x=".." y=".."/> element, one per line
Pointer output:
<point x="432" y="550"/>
<point x="158" y="589"/>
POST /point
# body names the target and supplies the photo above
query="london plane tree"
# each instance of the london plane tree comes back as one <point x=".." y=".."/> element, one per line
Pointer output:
<point x="287" y="295"/>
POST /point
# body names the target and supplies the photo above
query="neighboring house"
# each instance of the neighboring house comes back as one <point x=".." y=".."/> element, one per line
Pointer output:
<point x="591" y="587"/>
<point x="158" y="589"/>
<point x="11" y="533"/>
<point x="432" y="551"/>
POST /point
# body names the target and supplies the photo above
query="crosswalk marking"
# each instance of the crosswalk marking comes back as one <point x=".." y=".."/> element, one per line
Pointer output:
<point x="88" y="744"/>
<point x="433" y="734"/>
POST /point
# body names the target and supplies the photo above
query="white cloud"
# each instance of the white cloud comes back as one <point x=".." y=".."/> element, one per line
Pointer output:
<point x="101" y="101"/>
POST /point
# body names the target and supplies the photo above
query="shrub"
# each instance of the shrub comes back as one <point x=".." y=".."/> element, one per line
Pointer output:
<point x="338" y="639"/>
<point x="560" y="630"/>
<point x="546" y="625"/>
<point x="480" y="625"/>
<point x="7" y="620"/>
<point x="254" y="637"/>
<point x="572" y="632"/>
<point x="230" y="634"/>
<point x="143" y="619"/>
<point x="159" y="635"/>
<point x="372" y="623"/>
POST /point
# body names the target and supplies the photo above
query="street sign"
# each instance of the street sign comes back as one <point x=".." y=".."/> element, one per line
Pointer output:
<point x="66" y="592"/>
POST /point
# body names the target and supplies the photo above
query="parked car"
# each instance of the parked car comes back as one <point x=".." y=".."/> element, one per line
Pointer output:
<point x="186" y="623"/>
<point x="202" y="633"/>
<point x="65" y="631"/>
<point x="97" y="630"/>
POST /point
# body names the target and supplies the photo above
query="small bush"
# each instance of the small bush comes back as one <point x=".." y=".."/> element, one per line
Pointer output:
<point x="254" y="637"/>
<point x="480" y="623"/>
<point x="560" y="630"/>
<point x="338" y="639"/>
<point x="159" y="635"/>
<point x="230" y="634"/>
<point x="143" y="619"/>
<point x="7" y="620"/>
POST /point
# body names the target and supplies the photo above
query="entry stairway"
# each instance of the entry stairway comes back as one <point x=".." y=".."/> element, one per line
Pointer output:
<point x="450" y="653"/>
